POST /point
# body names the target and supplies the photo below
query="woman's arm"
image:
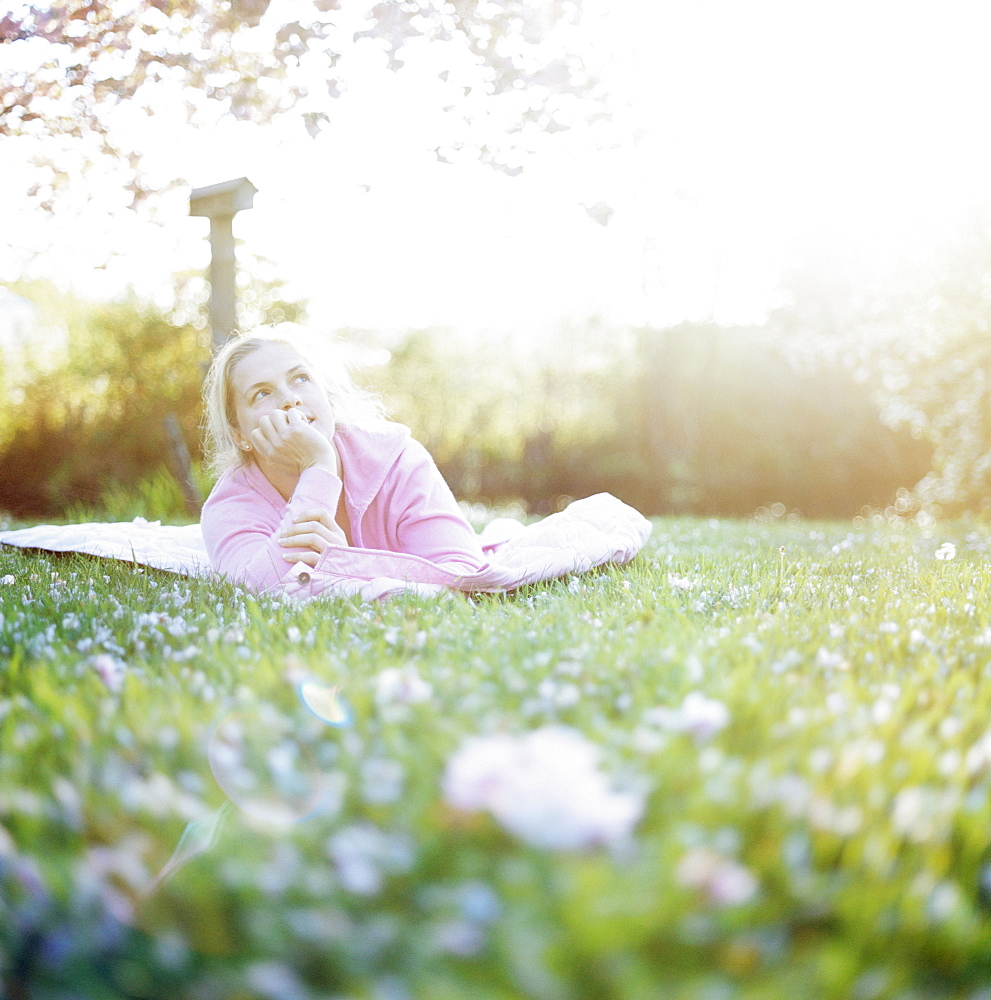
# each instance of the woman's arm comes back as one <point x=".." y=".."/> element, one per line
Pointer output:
<point x="244" y="529"/>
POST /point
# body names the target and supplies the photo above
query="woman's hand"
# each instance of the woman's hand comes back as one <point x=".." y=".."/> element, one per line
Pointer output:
<point x="285" y="444"/>
<point x="309" y="534"/>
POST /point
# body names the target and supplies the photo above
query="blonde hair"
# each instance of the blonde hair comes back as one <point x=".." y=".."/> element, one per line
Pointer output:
<point x="351" y="405"/>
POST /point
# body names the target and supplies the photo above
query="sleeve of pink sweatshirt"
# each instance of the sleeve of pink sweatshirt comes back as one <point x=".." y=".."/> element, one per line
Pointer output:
<point x="413" y="519"/>
<point x="241" y="526"/>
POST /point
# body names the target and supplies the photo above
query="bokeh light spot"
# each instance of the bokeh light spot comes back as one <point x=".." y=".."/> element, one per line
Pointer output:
<point x="326" y="703"/>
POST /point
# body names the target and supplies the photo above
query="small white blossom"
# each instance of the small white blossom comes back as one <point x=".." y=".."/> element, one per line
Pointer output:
<point x="699" y="716"/>
<point x="831" y="660"/>
<point x="703" y="717"/>
<point x="363" y="855"/>
<point x="401" y="687"/>
<point x="545" y="787"/>
<point x="723" y="881"/>
<point x="111" y="671"/>
<point x="459" y="937"/>
<point x="881" y="711"/>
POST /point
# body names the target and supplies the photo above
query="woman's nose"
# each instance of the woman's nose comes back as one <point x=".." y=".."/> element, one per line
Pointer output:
<point x="291" y="401"/>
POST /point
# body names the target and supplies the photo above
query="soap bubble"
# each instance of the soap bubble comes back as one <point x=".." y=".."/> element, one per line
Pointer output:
<point x="274" y="766"/>
<point x="326" y="703"/>
<point x="198" y="837"/>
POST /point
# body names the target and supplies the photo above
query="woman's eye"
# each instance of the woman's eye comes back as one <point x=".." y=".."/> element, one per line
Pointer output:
<point x="258" y="395"/>
<point x="302" y="378"/>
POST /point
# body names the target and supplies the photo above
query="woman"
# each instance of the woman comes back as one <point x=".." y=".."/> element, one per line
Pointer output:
<point x="319" y="493"/>
<point x="308" y="466"/>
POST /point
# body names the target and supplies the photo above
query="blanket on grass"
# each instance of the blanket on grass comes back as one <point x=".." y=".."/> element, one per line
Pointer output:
<point x="588" y="533"/>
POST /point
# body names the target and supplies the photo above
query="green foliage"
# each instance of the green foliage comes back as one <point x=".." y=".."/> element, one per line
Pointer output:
<point x="827" y="838"/>
<point x="937" y="369"/>
<point x="916" y="331"/>
<point x="734" y="421"/>
<point x="156" y="497"/>
<point x="692" y="419"/>
<point x="92" y="419"/>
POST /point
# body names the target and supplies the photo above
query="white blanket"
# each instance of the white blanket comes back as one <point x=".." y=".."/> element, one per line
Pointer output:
<point x="589" y="533"/>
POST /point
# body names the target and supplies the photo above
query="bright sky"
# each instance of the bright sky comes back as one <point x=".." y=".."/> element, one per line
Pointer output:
<point x="754" y="132"/>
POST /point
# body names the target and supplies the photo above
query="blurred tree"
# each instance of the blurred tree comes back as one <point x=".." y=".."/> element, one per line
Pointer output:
<point x="695" y="419"/>
<point x="92" y="418"/>
<point x="262" y="296"/>
<point x="935" y="367"/>
<point x="735" y="420"/>
<point x="73" y="65"/>
<point x="916" y="331"/>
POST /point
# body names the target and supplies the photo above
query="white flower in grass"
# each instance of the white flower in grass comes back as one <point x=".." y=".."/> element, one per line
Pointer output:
<point x="363" y="855"/>
<point x="401" y="687"/>
<point x="723" y="881"/>
<point x="545" y="787"/>
<point x="946" y="552"/>
<point x="699" y="716"/>
<point x="703" y="717"/>
<point x="110" y="670"/>
<point x="275" y="980"/>
<point x="478" y="770"/>
<point x="8" y="580"/>
<point x="829" y="659"/>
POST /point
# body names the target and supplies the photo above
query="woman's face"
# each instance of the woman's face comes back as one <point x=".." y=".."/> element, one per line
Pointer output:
<point x="274" y="377"/>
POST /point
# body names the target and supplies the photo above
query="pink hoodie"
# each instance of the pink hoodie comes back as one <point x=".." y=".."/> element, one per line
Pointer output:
<point x="397" y="503"/>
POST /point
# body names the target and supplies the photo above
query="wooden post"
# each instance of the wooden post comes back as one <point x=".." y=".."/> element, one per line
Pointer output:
<point x="220" y="203"/>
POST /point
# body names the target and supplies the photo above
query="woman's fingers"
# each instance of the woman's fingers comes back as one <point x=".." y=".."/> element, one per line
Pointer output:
<point x="266" y="438"/>
<point x="320" y="514"/>
<point x="314" y="530"/>
<point x="303" y="556"/>
<point x="316" y="540"/>
<point x="284" y="438"/>
<point x="327" y="528"/>
<point x="324" y="519"/>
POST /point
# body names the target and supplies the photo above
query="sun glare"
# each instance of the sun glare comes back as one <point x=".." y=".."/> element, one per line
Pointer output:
<point x="743" y="136"/>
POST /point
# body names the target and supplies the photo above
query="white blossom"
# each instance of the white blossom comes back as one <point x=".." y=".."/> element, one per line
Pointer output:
<point x="545" y="787"/>
<point x="111" y="671"/>
<point x="723" y="881"/>
<point x="401" y="687"/>
<point x="699" y="716"/>
<point x="363" y="855"/>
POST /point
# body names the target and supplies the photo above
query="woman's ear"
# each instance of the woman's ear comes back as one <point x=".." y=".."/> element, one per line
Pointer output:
<point x="242" y="443"/>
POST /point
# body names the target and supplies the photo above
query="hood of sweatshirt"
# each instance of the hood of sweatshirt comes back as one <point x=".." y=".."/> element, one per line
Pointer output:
<point x="367" y="456"/>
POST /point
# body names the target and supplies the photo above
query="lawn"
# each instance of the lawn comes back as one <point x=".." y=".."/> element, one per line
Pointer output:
<point x="755" y="763"/>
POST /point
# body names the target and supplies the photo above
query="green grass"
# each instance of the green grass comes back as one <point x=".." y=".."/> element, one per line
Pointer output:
<point x="831" y="840"/>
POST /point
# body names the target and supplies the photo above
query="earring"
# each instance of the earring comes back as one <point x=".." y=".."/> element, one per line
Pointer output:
<point x="246" y="446"/>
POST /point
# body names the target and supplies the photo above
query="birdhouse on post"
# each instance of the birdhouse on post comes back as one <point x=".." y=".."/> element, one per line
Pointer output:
<point x="220" y="203"/>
